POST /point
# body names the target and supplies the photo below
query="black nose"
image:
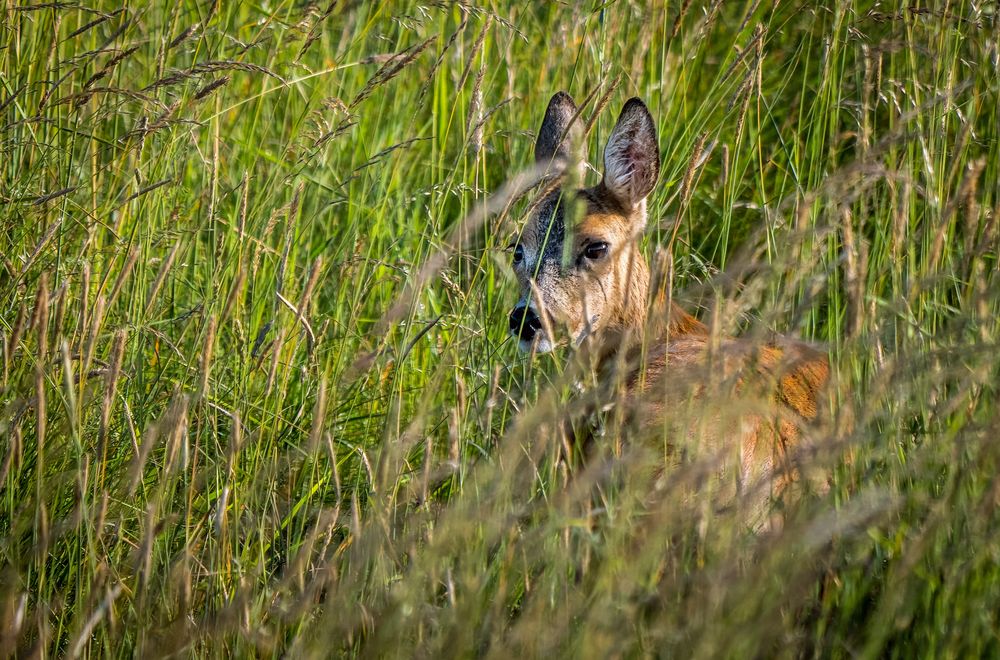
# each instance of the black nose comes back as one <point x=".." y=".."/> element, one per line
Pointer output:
<point x="524" y="323"/>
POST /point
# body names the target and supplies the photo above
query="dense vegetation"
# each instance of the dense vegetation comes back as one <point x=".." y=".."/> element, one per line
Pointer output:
<point x="257" y="394"/>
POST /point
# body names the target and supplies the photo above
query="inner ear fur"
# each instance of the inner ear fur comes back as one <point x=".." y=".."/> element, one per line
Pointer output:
<point x="632" y="156"/>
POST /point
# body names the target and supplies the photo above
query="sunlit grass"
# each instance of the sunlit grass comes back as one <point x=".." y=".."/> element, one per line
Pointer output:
<point x="257" y="395"/>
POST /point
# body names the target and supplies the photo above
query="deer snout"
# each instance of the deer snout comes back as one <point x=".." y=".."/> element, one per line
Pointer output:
<point x="524" y="323"/>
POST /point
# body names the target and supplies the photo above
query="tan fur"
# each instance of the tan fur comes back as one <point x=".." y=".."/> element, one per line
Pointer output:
<point x="782" y="383"/>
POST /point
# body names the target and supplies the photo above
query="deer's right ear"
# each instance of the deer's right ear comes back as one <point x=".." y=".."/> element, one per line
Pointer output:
<point x="559" y="133"/>
<point x="632" y="157"/>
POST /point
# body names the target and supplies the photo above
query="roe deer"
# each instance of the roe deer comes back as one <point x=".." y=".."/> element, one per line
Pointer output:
<point x="583" y="272"/>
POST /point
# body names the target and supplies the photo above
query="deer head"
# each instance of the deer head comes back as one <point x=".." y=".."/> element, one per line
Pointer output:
<point x="577" y="259"/>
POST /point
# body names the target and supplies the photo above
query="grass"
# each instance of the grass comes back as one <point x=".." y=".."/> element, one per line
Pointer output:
<point x="257" y="395"/>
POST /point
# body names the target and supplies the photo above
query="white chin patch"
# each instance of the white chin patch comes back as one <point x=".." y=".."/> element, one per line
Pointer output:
<point x="539" y="345"/>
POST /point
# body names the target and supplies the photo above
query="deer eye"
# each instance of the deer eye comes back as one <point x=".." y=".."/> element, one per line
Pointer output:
<point x="518" y="254"/>
<point x="595" y="250"/>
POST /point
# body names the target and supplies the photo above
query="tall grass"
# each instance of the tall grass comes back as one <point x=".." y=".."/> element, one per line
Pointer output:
<point x="256" y="392"/>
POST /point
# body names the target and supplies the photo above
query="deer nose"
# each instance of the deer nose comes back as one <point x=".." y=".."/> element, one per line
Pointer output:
<point x="524" y="323"/>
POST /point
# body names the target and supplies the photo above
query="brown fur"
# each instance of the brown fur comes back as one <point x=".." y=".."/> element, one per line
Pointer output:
<point x="752" y="400"/>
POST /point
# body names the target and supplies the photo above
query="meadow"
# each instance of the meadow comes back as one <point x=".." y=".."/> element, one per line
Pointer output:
<point x="258" y="396"/>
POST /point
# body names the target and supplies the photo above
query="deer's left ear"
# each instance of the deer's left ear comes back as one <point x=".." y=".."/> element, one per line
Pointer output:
<point x="632" y="157"/>
<point x="559" y="133"/>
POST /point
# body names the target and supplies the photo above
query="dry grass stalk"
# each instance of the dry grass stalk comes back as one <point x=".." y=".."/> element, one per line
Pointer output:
<point x="477" y="46"/>
<point x="234" y="293"/>
<point x="40" y="321"/>
<point x="161" y="276"/>
<point x="11" y="343"/>
<point x="123" y="275"/>
<point x="315" y="29"/>
<point x="111" y="378"/>
<point x="205" y="363"/>
<point x="390" y="69"/>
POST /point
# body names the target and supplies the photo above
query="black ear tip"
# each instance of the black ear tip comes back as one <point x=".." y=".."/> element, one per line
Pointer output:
<point x="562" y="99"/>
<point x="634" y="104"/>
<point x="556" y="125"/>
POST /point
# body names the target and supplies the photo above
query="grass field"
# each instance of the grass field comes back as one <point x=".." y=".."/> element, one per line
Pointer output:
<point x="257" y="395"/>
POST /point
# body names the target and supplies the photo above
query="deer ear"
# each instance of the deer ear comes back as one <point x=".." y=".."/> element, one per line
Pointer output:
<point x="632" y="157"/>
<point x="557" y="137"/>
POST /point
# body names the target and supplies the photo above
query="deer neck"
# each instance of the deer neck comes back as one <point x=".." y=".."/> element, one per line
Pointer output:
<point x="636" y="313"/>
<point x="629" y="314"/>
